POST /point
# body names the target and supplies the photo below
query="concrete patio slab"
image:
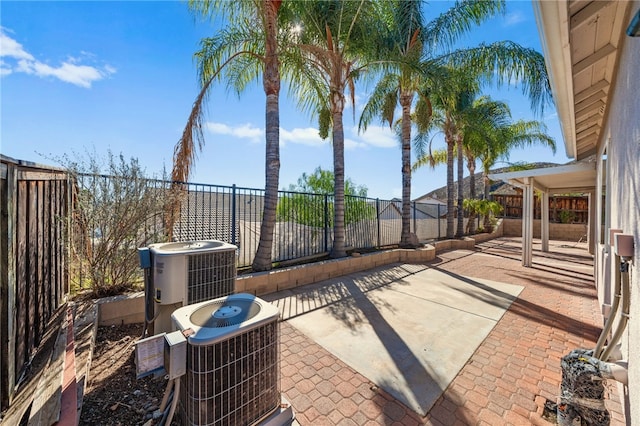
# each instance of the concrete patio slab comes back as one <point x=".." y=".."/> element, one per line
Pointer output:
<point x="407" y="328"/>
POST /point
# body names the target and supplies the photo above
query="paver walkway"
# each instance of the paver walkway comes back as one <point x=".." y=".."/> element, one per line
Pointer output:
<point x="508" y="378"/>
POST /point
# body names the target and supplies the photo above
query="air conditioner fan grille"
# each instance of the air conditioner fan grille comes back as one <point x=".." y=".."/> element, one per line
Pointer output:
<point x="210" y="275"/>
<point x="225" y="313"/>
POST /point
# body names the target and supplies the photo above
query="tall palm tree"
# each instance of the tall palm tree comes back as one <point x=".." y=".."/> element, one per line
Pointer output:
<point x="480" y="116"/>
<point x="491" y="135"/>
<point x="411" y="41"/>
<point x="500" y="62"/>
<point x="502" y="139"/>
<point x="337" y="42"/>
<point x="242" y="52"/>
<point x="475" y="118"/>
<point x="507" y="60"/>
<point x="399" y="85"/>
<point x="454" y="101"/>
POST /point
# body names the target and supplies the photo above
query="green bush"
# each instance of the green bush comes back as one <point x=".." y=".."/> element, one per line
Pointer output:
<point x="114" y="214"/>
<point x="566" y="216"/>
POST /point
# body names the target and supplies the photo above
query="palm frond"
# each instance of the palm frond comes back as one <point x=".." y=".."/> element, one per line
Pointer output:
<point x="507" y="62"/>
<point x="382" y="102"/>
<point x="445" y="30"/>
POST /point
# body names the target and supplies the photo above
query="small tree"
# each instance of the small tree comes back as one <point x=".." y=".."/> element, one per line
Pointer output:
<point x="488" y="210"/>
<point x="114" y="214"/>
<point x="306" y="202"/>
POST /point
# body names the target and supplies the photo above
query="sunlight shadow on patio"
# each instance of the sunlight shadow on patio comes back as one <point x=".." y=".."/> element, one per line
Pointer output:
<point x="408" y="328"/>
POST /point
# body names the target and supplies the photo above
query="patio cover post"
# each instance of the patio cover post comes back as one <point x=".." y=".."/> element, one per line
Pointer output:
<point x="544" y="226"/>
<point x="527" y="221"/>
<point x="591" y="232"/>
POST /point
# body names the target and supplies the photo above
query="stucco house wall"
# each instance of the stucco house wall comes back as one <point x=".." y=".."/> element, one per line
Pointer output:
<point x="621" y="134"/>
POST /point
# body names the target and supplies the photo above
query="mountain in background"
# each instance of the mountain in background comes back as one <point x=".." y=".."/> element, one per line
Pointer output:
<point x="496" y="186"/>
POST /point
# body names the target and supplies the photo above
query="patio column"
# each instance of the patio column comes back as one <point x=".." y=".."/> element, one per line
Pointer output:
<point x="544" y="222"/>
<point x="591" y="232"/>
<point x="527" y="222"/>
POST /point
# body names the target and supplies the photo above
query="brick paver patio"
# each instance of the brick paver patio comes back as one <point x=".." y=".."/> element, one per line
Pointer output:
<point x="508" y="378"/>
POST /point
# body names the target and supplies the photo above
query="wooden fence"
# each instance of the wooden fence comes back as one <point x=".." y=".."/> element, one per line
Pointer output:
<point x="35" y="206"/>
<point x="562" y="208"/>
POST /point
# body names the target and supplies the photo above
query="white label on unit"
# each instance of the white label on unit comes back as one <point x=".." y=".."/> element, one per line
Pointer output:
<point x="149" y="355"/>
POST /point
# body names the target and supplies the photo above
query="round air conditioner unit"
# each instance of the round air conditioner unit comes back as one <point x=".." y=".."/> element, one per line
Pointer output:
<point x="193" y="271"/>
<point x="232" y="373"/>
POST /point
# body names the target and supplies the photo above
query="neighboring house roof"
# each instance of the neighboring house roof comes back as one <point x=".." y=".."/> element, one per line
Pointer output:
<point x="501" y="188"/>
<point x="429" y="199"/>
<point x="441" y="193"/>
<point x="576" y="177"/>
<point x="580" y="49"/>
<point x="419" y="210"/>
<point x="208" y="215"/>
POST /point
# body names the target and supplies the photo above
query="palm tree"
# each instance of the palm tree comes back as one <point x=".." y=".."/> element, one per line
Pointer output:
<point x="502" y="139"/>
<point x="507" y="60"/>
<point x="405" y="48"/>
<point x="244" y="50"/>
<point x="480" y="119"/>
<point x="499" y="62"/>
<point x="399" y="86"/>
<point x="338" y="40"/>
<point x="490" y="135"/>
<point x="453" y="101"/>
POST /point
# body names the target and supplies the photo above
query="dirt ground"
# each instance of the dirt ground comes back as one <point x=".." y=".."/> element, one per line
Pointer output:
<point x="114" y="396"/>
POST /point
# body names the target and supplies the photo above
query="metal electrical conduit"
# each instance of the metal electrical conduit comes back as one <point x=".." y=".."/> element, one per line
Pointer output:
<point x="613" y="370"/>
<point x="614" y="310"/>
<point x="583" y="396"/>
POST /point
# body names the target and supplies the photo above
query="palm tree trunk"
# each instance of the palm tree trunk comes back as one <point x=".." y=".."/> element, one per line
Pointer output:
<point x="460" y="167"/>
<point x="450" y="214"/>
<point x="405" y="235"/>
<point x="487" y="183"/>
<point x="271" y="84"/>
<point x="471" y="166"/>
<point x="337" y="107"/>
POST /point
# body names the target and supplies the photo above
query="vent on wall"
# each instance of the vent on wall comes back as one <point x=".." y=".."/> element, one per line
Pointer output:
<point x="232" y="375"/>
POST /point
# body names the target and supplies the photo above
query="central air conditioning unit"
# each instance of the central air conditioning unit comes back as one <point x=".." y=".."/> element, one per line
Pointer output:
<point x="185" y="273"/>
<point x="233" y="356"/>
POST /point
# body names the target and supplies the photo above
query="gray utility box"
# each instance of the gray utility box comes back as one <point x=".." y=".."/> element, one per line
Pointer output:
<point x="175" y="354"/>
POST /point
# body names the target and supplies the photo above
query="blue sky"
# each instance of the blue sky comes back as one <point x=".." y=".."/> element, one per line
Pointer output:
<point x="79" y="76"/>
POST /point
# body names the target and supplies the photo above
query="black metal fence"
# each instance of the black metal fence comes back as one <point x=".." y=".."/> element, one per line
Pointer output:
<point x="304" y="222"/>
<point x="196" y="211"/>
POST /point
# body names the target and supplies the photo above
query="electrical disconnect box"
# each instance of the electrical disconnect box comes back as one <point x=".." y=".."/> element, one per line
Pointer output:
<point x="623" y="245"/>
<point x="175" y="354"/>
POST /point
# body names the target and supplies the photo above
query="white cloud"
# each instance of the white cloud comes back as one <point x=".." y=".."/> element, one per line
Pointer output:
<point x="514" y="18"/>
<point x="11" y="48"/>
<point x="304" y="136"/>
<point x="350" y="144"/>
<point x="244" y="131"/>
<point x="70" y="71"/>
<point x="375" y="136"/>
<point x="4" y="68"/>
<point x="378" y="136"/>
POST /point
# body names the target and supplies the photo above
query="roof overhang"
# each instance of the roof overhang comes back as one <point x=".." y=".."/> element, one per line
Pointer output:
<point x="577" y="177"/>
<point x="580" y="41"/>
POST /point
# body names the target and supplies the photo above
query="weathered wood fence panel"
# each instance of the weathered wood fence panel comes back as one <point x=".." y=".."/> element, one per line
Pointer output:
<point x="35" y="208"/>
<point x="562" y="208"/>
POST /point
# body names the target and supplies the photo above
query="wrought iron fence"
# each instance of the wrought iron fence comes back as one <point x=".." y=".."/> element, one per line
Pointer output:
<point x="304" y="221"/>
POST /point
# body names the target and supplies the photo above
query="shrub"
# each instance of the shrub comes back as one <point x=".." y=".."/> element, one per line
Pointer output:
<point x="566" y="216"/>
<point x="488" y="210"/>
<point x="114" y="214"/>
